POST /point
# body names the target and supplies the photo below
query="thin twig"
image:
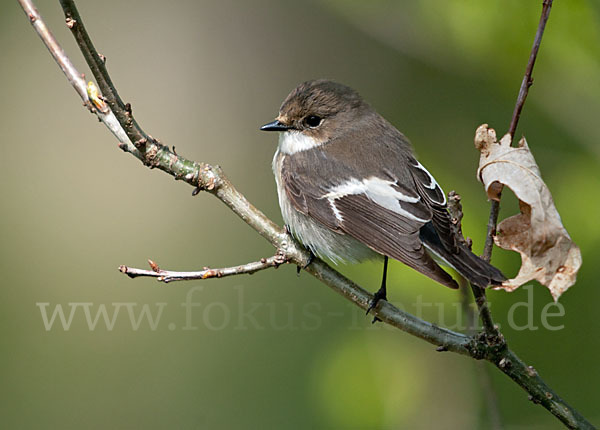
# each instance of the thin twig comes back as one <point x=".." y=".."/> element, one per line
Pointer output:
<point x="479" y="293"/>
<point x="523" y="92"/>
<point x="492" y="334"/>
<point x="527" y="81"/>
<point x="492" y="406"/>
<point x="73" y="76"/>
<point x="491" y="230"/>
<point x="456" y="215"/>
<point x="527" y="78"/>
<point x="167" y="276"/>
<point x="97" y="65"/>
<point x="211" y="178"/>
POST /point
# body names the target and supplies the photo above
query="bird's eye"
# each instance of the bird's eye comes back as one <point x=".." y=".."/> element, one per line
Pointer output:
<point x="313" y="120"/>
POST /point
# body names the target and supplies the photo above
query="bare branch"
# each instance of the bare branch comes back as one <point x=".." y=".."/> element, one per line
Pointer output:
<point x="456" y="214"/>
<point x="491" y="230"/>
<point x="75" y="78"/>
<point x="523" y="91"/>
<point x="493" y="336"/>
<point x="527" y="78"/>
<point x="96" y="62"/>
<point x="210" y="178"/>
<point x="55" y="49"/>
<point x="527" y="81"/>
<point x="167" y="276"/>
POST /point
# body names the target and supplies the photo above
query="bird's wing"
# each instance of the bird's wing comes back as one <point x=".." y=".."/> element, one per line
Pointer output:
<point x="385" y="211"/>
<point x="433" y="197"/>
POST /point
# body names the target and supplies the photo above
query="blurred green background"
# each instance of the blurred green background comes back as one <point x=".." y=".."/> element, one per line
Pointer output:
<point x="274" y="350"/>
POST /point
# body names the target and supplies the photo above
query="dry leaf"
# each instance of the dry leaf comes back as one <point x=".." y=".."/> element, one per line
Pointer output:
<point x="547" y="252"/>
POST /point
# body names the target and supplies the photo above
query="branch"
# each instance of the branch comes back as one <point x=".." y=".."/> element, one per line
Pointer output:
<point x="493" y="336"/>
<point x="205" y="177"/>
<point x="478" y="293"/>
<point x="527" y="79"/>
<point x="96" y="62"/>
<point x="167" y="276"/>
<point x="523" y="91"/>
<point x="456" y="214"/>
<point x="75" y="79"/>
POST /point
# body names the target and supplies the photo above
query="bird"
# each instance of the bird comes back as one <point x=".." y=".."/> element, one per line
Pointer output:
<point x="350" y="189"/>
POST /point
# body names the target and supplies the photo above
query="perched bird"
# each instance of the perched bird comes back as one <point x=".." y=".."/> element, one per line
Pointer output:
<point x="351" y="189"/>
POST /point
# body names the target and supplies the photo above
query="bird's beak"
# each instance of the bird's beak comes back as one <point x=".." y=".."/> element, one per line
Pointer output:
<point x="275" y="126"/>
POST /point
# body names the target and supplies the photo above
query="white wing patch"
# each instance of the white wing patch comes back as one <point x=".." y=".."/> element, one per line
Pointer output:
<point x="377" y="190"/>
<point x="432" y="182"/>
<point x="336" y="211"/>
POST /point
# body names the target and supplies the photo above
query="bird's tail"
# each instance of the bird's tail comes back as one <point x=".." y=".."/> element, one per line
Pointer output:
<point x="475" y="270"/>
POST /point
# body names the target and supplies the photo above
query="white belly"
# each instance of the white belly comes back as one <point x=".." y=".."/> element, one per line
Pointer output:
<point x="322" y="241"/>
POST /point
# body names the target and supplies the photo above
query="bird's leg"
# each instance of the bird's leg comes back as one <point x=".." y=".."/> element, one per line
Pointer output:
<point x="381" y="292"/>
<point x="311" y="258"/>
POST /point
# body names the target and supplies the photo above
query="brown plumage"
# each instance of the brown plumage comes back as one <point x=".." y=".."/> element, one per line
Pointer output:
<point x="350" y="187"/>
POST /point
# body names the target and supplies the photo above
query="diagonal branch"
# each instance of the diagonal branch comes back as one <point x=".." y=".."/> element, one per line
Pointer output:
<point x="96" y="62"/>
<point x="211" y="179"/>
<point x="74" y="77"/>
<point x="527" y="78"/>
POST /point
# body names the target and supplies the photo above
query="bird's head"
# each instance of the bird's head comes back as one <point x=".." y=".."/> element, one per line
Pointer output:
<point x="320" y="110"/>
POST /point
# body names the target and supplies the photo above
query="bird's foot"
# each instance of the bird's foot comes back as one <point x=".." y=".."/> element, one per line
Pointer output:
<point x="379" y="295"/>
<point x="311" y="258"/>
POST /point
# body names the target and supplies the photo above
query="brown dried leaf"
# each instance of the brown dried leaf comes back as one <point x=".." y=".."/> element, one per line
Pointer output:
<point x="548" y="254"/>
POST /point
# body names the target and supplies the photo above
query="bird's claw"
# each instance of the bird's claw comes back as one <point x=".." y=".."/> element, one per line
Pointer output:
<point x="311" y="258"/>
<point x="379" y="295"/>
